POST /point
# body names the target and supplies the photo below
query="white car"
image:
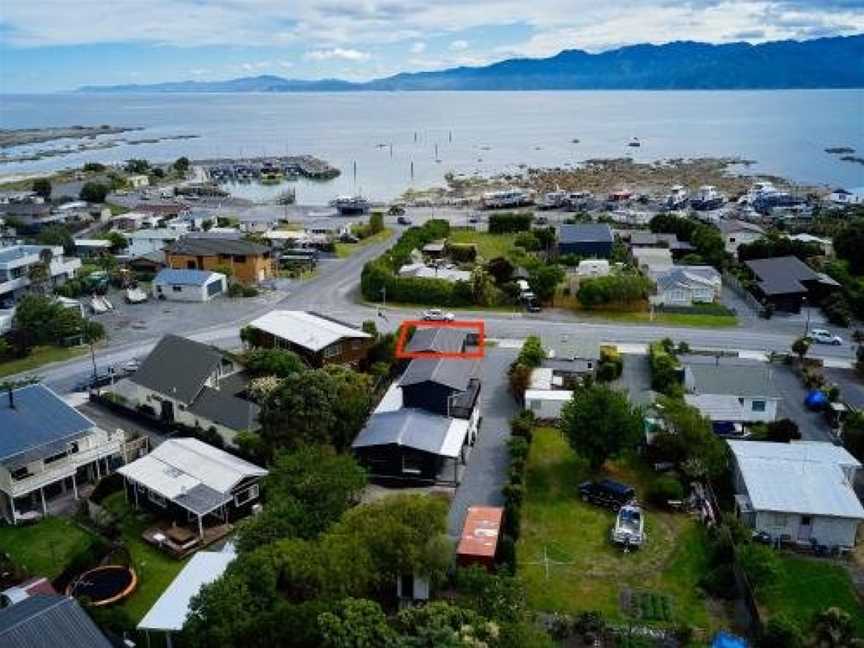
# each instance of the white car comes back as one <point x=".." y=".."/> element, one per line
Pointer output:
<point x="821" y="336"/>
<point x="437" y="315"/>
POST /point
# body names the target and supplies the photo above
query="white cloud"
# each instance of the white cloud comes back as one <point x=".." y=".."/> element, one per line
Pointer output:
<point x="337" y="53"/>
<point x="418" y="48"/>
<point x="458" y="45"/>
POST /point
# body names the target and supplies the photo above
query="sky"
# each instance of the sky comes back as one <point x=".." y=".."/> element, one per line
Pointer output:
<point x="58" y="45"/>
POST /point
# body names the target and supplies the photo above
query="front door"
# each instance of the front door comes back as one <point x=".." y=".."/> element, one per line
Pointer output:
<point x="167" y="413"/>
<point x="805" y="529"/>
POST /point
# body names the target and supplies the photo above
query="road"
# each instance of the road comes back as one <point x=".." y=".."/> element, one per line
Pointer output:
<point x="334" y="291"/>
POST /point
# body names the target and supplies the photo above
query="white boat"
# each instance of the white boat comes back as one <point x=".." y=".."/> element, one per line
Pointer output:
<point x="676" y="198"/>
<point x="350" y="205"/>
<point x="100" y="304"/>
<point x="707" y="198"/>
<point x="506" y="198"/>
<point x="629" y="529"/>
<point x="135" y="296"/>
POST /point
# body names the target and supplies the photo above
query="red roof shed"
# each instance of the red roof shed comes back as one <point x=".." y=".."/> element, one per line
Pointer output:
<point x="480" y="534"/>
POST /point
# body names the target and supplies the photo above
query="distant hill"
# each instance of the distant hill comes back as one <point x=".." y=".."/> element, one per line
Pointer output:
<point x="683" y="65"/>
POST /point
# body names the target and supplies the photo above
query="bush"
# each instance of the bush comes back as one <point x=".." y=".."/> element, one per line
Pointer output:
<point x="527" y="241"/>
<point x="781" y="632"/>
<point x="235" y="290"/>
<point x="665" y="369"/>
<point x="720" y="582"/>
<point x="760" y="564"/>
<point x="522" y="425"/>
<point x="532" y="353"/>
<point x="250" y="291"/>
<point x="665" y="489"/>
<point x="609" y="370"/>
<point x="93" y="192"/>
<point x="519" y="448"/>
<point x="462" y="252"/>
<point x="507" y="223"/>
<point x="620" y="289"/>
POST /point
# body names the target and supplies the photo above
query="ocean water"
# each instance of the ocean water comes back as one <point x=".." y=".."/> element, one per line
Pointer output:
<point x="387" y="135"/>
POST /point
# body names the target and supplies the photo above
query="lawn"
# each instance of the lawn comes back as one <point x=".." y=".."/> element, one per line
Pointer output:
<point x="488" y="245"/>
<point x="155" y="569"/>
<point x="807" y="586"/>
<point x="671" y="319"/>
<point x="38" y="357"/>
<point x="47" y="547"/>
<point x="347" y="249"/>
<point x="566" y="560"/>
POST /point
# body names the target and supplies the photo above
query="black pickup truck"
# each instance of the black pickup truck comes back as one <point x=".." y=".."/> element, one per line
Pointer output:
<point x="606" y="492"/>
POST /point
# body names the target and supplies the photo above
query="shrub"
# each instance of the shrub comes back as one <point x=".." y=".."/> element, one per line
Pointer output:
<point x="506" y="223"/>
<point x="462" y="252"/>
<point x="518" y="447"/>
<point x="665" y="369"/>
<point x="527" y="241"/>
<point x="93" y="192"/>
<point x="760" y="564"/>
<point x="621" y="289"/>
<point x="720" y="582"/>
<point x="609" y="370"/>
<point x="665" y="489"/>
<point x="522" y="425"/>
<point x="781" y="632"/>
<point x="532" y="353"/>
<point x="250" y="291"/>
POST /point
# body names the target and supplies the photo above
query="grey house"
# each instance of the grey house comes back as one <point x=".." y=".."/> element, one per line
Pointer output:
<point x="751" y="385"/>
<point x="443" y="386"/>
<point x="785" y="282"/>
<point x="45" y="621"/>
<point x="587" y="240"/>
<point x="437" y="339"/>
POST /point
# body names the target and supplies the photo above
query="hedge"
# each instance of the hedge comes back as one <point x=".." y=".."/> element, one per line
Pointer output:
<point x="665" y="369"/>
<point x="508" y="223"/>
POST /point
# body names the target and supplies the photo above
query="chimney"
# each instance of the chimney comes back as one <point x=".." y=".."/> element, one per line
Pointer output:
<point x="11" y="395"/>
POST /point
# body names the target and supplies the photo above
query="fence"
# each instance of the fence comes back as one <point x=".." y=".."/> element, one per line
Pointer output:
<point x="731" y="282"/>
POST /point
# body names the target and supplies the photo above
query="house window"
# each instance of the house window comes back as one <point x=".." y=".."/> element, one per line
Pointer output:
<point x="759" y="405"/>
<point x="411" y="466"/>
<point x="333" y="350"/>
<point x="56" y="457"/>
<point x="239" y="258"/>
<point x="159" y="289"/>
<point x="156" y="498"/>
<point x="20" y="473"/>
<point x="247" y="495"/>
<point x="177" y="288"/>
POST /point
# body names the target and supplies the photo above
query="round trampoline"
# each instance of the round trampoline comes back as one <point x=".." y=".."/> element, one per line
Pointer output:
<point x="104" y="585"/>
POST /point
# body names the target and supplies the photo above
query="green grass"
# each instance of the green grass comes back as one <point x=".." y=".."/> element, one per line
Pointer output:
<point x="45" y="548"/>
<point x="347" y="249"/>
<point x="670" y="319"/>
<point x="807" y="586"/>
<point x="38" y="357"/>
<point x="116" y="209"/>
<point x="488" y="245"/>
<point x="155" y="568"/>
<point x="588" y="573"/>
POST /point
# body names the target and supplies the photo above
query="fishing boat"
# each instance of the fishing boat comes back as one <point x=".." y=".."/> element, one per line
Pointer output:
<point x="506" y="198"/>
<point x="707" y="198"/>
<point x="676" y="198"/>
<point x="629" y="529"/>
<point x="634" y="143"/>
<point x="350" y="205"/>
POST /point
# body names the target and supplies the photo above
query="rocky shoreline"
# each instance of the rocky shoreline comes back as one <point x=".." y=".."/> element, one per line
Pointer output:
<point x="24" y="136"/>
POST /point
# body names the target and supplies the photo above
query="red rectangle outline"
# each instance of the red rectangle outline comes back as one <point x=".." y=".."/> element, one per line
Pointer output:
<point x="474" y="325"/>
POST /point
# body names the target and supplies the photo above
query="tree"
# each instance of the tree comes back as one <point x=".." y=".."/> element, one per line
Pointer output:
<point x="370" y="328"/>
<point x="690" y="440"/>
<point x="482" y="288"/>
<point x="356" y="623"/>
<point x="352" y="400"/>
<point x="117" y="240"/>
<point x="500" y="269"/>
<point x="834" y="628"/>
<point x="273" y="362"/>
<point x="600" y="422"/>
<point x="56" y="235"/>
<point x="544" y="279"/>
<point x="181" y="165"/>
<point x="848" y="244"/>
<point x="527" y="241"/>
<point x="93" y="167"/>
<point x="376" y="223"/>
<point x="137" y="166"/>
<point x="532" y="353"/>
<point x="800" y="347"/>
<point x="42" y="187"/>
<point x="760" y="564"/>
<point x="93" y="192"/>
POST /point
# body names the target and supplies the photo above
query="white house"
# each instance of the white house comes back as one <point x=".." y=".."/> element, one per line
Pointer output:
<point x="588" y="268"/>
<point x="737" y="233"/>
<point x="545" y="403"/>
<point x="752" y="385"/>
<point x="138" y="181"/>
<point x="422" y="271"/>
<point x="652" y="260"/>
<point x="150" y="240"/>
<point x="88" y="248"/>
<point x="16" y="263"/>
<point x="843" y="197"/>
<point x="800" y="492"/>
<point x="679" y="286"/>
<point x="826" y="244"/>
<point x="48" y="450"/>
<point x="189" y="285"/>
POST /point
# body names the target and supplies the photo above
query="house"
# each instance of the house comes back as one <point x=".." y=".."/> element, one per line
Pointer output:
<point x="18" y="261"/>
<point x="800" y="492"/>
<point x="442" y="386"/>
<point x="91" y="248"/>
<point x="571" y="358"/>
<point x="151" y="263"/>
<point x="162" y="211"/>
<point x="47" y="450"/>
<point x="137" y="181"/>
<point x="423" y="271"/>
<point x="589" y="268"/>
<point x="134" y="220"/>
<point x="30" y="587"/>
<point x="681" y="286"/>
<point x="478" y="544"/>
<point x="30" y="215"/>
<point x="172" y="607"/>
<point x="189" y="285"/>
<point x="317" y="339"/>
<point x="737" y="233"/>
<point x="546" y="404"/>
<point x="787" y="282"/>
<point x="249" y="262"/>
<point x="651" y="260"/>
<point x="587" y="240"/>
<point x="49" y="622"/>
<point x="843" y="197"/>
<point x="145" y="241"/>
<point x="725" y="411"/>
<point x="186" y="382"/>
<point x="645" y="238"/>
<point x="437" y="339"/>
<point x="435" y="249"/>
<point x="186" y="479"/>
<point x="750" y="384"/>
<point x="826" y="244"/>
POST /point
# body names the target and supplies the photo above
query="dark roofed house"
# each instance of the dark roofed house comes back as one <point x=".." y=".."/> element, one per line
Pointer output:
<point x="48" y="449"/>
<point x="444" y="386"/>
<point x="785" y="282"/>
<point x="49" y="622"/>
<point x="587" y="240"/>
<point x="437" y="339"/>
<point x="194" y="384"/>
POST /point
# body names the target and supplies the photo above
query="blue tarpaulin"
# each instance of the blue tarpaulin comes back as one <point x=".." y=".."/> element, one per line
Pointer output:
<point x="726" y="640"/>
<point x="816" y="400"/>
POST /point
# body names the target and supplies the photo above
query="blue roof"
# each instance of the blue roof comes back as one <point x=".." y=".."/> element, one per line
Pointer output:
<point x="586" y="233"/>
<point x="40" y="424"/>
<point x="173" y="277"/>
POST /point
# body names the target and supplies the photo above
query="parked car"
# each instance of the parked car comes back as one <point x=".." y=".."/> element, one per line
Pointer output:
<point x="403" y="220"/>
<point x="396" y="210"/>
<point x="541" y="220"/>
<point x="437" y="315"/>
<point x="473" y="219"/>
<point x="607" y="492"/>
<point x="821" y="336"/>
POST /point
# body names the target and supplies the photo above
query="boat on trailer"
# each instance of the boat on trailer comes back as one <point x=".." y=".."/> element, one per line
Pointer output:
<point x="629" y="529"/>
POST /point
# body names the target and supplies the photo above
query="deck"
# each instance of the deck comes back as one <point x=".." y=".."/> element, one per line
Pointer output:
<point x="181" y="541"/>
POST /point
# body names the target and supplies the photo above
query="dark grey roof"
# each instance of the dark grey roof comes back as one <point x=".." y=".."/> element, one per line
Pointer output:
<point x="40" y="424"/>
<point x="211" y="247"/>
<point x="408" y="427"/>
<point x="202" y="499"/>
<point x="453" y="373"/>
<point x="439" y="339"/>
<point x="49" y="622"/>
<point x="741" y="381"/>
<point x="177" y="367"/>
<point x="586" y="233"/>
<point x="782" y="275"/>
<point x="222" y="407"/>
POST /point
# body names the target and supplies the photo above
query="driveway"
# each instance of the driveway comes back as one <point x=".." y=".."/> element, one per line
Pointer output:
<point x="487" y="469"/>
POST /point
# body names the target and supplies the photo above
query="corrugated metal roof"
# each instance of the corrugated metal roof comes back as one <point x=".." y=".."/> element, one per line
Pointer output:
<point x="49" y="622"/>
<point x="453" y="373"/>
<point x="718" y="407"/>
<point x="40" y="424"/>
<point x="782" y="275"/>
<point x="440" y="339"/>
<point x="548" y="395"/>
<point x="222" y="407"/>
<point x="174" y="277"/>
<point x="800" y="477"/>
<point x="586" y="233"/>
<point x="480" y="531"/>
<point x="216" y="246"/>
<point x="178" y="367"/>
<point x="414" y="428"/>
<point x="171" y="609"/>
<point x="741" y="381"/>
<point x="308" y="330"/>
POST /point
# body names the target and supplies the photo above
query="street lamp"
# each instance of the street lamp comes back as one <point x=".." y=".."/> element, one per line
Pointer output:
<point x="807" y="324"/>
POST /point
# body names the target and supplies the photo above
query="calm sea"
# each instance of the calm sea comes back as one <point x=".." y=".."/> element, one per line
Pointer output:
<point x="786" y="132"/>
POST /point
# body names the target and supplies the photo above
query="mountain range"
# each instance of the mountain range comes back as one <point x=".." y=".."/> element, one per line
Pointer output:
<point x="836" y="62"/>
